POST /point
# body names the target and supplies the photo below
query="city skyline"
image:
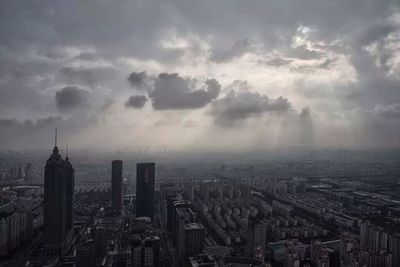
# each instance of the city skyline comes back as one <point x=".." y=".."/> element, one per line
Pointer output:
<point x="287" y="213"/>
<point x="207" y="133"/>
<point x="226" y="76"/>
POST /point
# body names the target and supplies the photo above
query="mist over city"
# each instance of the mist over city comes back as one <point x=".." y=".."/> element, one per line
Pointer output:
<point x="163" y="133"/>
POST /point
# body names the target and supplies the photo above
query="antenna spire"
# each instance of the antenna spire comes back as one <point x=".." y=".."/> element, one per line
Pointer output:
<point x="66" y="154"/>
<point x="55" y="138"/>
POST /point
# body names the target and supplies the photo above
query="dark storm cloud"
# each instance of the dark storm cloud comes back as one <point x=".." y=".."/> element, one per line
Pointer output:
<point x="136" y="101"/>
<point x="236" y="107"/>
<point x="71" y="97"/>
<point x="174" y="92"/>
<point x="138" y="79"/>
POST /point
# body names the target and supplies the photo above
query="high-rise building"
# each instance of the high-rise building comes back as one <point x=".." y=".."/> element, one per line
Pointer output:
<point x="100" y="241"/>
<point x="194" y="238"/>
<point x="185" y="231"/>
<point x="256" y="237"/>
<point x="394" y="248"/>
<point x="145" y="250"/>
<point x="69" y="199"/>
<point x="116" y="184"/>
<point x="181" y="214"/>
<point x="170" y="211"/>
<point x="145" y="179"/>
<point x="85" y="254"/>
<point x="319" y="254"/>
<point x="58" y="202"/>
<point x="167" y="190"/>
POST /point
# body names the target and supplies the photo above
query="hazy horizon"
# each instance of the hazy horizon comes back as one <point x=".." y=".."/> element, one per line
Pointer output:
<point x="200" y="76"/>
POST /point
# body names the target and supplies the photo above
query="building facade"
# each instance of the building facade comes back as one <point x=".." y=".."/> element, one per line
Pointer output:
<point x="116" y="184"/>
<point x="145" y="179"/>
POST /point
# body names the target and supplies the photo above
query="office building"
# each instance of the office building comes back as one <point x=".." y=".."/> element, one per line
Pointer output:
<point x="145" y="250"/>
<point x="145" y="179"/>
<point x="116" y="184"/>
<point x="194" y="239"/>
<point x="58" y="203"/>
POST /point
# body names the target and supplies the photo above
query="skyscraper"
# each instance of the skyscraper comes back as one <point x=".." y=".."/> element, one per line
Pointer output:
<point x="69" y="198"/>
<point x="145" y="178"/>
<point x="116" y="184"/>
<point x="58" y="202"/>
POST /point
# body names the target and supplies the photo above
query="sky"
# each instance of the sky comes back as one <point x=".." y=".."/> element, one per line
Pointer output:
<point x="226" y="75"/>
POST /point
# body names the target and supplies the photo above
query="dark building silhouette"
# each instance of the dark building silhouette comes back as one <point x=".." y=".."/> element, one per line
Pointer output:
<point x="116" y="184"/>
<point x="69" y="198"/>
<point x="100" y="241"/>
<point x="170" y="211"/>
<point x="145" y="250"/>
<point x="86" y="254"/>
<point x="145" y="177"/>
<point x="58" y="202"/>
<point x="256" y="236"/>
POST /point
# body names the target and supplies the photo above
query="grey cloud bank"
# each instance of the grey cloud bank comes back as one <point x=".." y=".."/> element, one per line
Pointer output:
<point x="92" y="67"/>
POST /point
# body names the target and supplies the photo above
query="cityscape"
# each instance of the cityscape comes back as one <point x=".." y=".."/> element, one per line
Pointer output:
<point x="191" y="211"/>
<point x="212" y="133"/>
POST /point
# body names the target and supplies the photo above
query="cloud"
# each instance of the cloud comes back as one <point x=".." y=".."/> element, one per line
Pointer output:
<point x="136" y="101"/>
<point x="374" y="33"/>
<point x="390" y="111"/>
<point x="38" y="133"/>
<point x="17" y="134"/>
<point x="90" y="76"/>
<point x="304" y="53"/>
<point x="71" y="97"/>
<point x="236" y="107"/>
<point x="237" y="50"/>
<point x="47" y="44"/>
<point x="174" y="92"/>
<point x="327" y="63"/>
<point x="138" y="79"/>
<point x="27" y="125"/>
<point x="278" y="62"/>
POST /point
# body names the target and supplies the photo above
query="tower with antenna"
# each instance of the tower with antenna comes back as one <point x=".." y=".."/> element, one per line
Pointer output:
<point x="58" y="202"/>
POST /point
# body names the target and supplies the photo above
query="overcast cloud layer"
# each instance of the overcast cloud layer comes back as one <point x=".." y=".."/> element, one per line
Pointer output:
<point x="200" y="75"/>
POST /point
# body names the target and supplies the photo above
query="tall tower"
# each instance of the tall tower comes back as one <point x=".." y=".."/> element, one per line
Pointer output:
<point x="58" y="202"/>
<point x="145" y="178"/>
<point x="116" y="184"/>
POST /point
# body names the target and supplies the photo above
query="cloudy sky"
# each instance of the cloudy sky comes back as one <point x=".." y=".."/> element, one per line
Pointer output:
<point x="200" y="75"/>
